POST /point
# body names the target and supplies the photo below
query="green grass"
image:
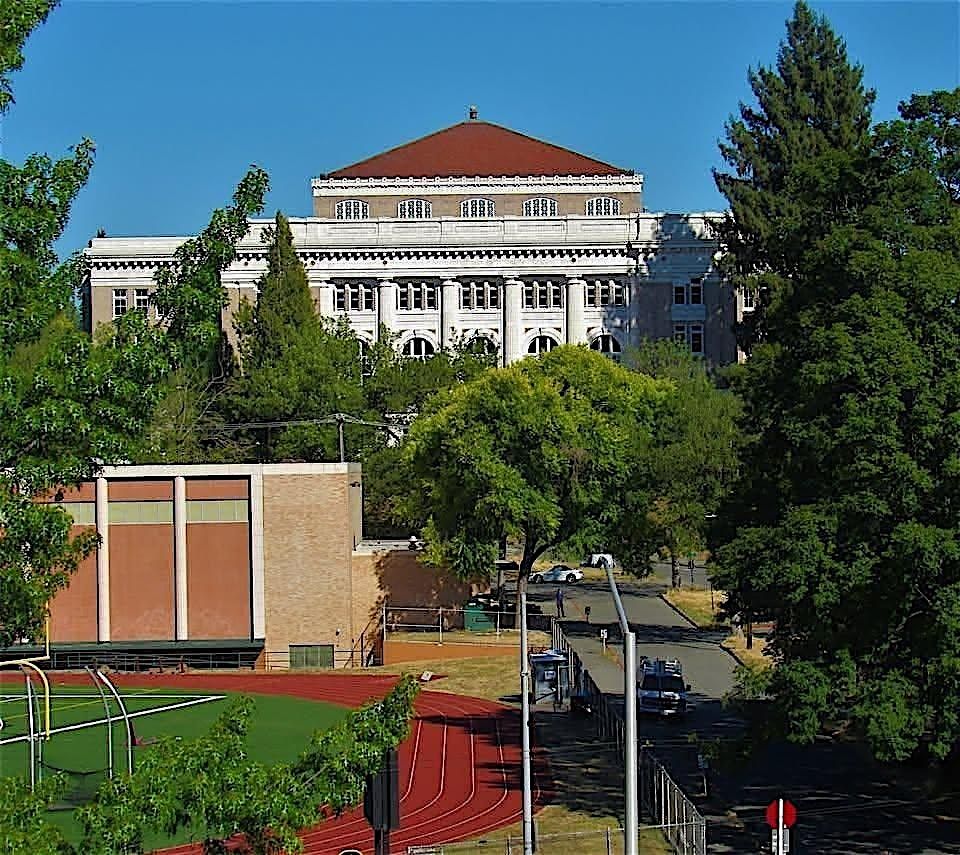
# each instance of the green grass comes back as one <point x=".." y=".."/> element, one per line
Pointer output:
<point x="279" y="730"/>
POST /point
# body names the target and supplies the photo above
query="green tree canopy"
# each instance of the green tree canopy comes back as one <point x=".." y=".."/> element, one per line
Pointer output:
<point x="795" y="158"/>
<point x="546" y="451"/>
<point x="693" y="457"/>
<point x="845" y="526"/>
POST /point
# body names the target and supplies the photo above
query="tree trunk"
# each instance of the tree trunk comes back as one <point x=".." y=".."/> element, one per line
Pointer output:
<point x="674" y="569"/>
<point x="526" y="564"/>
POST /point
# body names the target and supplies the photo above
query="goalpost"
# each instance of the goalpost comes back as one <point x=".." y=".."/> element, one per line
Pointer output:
<point x="26" y="665"/>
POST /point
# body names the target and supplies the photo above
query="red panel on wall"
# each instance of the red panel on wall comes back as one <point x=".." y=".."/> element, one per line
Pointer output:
<point x="141" y="582"/>
<point x="217" y="488"/>
<point x="73" y="611"/>
<point x="141" y="490"/>
<point x="86" y="492"/>
<point x="218" y="580"/>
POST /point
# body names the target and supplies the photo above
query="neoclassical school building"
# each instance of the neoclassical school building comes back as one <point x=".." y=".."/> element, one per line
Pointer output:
<point x="475" y="233"/>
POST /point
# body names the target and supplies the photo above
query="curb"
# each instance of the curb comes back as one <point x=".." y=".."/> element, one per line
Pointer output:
<point x="721" y="644"/>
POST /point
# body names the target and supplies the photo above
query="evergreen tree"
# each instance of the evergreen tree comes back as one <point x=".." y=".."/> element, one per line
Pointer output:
<point x="845" y="527"/>
<point x="295" y="366"/>
<point x="795" y="158"/>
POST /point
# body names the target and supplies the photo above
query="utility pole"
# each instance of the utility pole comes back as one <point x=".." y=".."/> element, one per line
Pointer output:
<point x="525" y="729"/>
<point x="343" y="454"/>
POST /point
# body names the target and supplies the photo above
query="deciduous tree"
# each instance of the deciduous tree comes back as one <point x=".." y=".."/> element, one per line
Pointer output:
<point x="547" y="451"/>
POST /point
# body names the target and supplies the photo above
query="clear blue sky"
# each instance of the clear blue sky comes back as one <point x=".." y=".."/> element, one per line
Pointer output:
<point x="181" y="97"/>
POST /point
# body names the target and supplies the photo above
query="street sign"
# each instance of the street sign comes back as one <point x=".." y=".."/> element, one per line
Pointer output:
<point x="789" y="813"/>
<point x="786" y="840"/>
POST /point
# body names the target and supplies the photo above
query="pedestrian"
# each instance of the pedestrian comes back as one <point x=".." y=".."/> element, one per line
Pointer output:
<point x="560" y="612"/>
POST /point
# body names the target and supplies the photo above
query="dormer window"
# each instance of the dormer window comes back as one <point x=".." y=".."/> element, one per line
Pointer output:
<point x="352" y="209"/>
<point x="414" y="209"/>
<point x="603" y="206"/>
<point x="475" y="208"/>
<point x="541" y="207"/>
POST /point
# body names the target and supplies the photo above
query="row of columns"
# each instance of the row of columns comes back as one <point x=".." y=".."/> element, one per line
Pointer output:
<point x="181" y="626"/>
<point x="512" y="311"/>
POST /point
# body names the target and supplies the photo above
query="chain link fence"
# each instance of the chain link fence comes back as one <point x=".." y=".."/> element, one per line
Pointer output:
<point x="602" y="842"/>
<point x="662" y="803"/>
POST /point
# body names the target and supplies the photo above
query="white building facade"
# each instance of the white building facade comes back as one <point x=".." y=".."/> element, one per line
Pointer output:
<point x="475" y="234"/>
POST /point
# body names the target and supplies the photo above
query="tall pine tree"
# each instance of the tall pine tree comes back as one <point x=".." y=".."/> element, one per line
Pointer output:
<point x="795" y="160"/>
<point x="844" y="528"/>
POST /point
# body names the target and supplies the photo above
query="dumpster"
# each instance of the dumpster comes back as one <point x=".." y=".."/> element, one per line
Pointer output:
<point x="550" y="677"/>
<point x="476" y="619"/>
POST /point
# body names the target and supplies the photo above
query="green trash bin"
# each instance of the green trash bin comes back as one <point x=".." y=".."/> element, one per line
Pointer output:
<point x="475" y="618"/>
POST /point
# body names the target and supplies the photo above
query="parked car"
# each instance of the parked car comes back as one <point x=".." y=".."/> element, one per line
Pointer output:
<point x="557" y="573"/>
<point x="602" y="560"/>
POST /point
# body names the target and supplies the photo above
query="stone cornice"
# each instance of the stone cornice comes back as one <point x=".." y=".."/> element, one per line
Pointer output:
<point x="466" y="185"/>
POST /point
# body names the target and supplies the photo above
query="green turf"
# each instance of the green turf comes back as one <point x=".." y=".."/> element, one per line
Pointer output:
<point x="279" y="729"/>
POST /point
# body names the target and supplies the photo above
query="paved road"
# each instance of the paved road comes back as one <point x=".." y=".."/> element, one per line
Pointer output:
<point x="845" y="802"/>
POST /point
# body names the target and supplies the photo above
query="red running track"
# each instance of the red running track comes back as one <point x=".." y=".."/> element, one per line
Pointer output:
<point x="459" y="769"/>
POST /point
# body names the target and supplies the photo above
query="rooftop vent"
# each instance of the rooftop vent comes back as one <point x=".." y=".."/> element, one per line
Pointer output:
<point x="474" y="112"/>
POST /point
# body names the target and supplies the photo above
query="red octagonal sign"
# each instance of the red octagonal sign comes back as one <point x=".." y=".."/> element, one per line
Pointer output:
<point x="789" y="813"/>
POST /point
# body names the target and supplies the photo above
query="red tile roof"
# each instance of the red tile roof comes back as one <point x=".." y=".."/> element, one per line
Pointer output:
<point x="476" y="149"/>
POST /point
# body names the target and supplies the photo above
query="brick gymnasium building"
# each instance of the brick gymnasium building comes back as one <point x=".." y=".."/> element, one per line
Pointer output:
<point x="223" y="565"/>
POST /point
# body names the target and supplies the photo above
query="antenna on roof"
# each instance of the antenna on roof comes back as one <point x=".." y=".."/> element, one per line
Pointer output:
<point x="474" y="112"/>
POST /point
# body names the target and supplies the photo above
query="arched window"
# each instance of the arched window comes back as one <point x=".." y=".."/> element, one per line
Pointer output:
<point x="418" y="348"/>
<point x="541" y="344"/>
<point x="541" y="207"/>
<point x="603" y="206"/>
<point x="481" y="345"/>
<point x="352" y="209"/>
<point x="414" y="209"/>
<point x="607" y="345"/>
<point x="476" y="208"/>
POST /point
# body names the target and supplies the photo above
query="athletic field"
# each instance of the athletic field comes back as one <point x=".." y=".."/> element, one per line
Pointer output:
<point x="280" y="727"/>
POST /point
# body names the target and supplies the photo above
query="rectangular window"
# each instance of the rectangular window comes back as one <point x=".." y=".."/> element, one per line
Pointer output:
<point x="591" y="294"/>
<point x="528" y="295"/>
<point x="466" y="296"/>
<point x="142" y="513"/>
<point x="556" y="295"/>
<point x="431" y="294"/>
<point x="679" y="295"/>
<point x="749" y="300"/>
<point x="619" y="294"/>
<point x="119" y="302"/>
<point x="403" y="297"/>
<point x="303" y="656"/>
<point x="696" y="294"/>
<point x="605" y="298"/>
<point x="696" y="339"/>
<point x="141" y="300"/>
<point x="542" y="294"/>
<point x="217" y="510"/>
<point x="367" y="297"/>
<point x="340" y="297"/>
<point x="494" y="291"/>
<point x="680" y="333"/>
<point x="83" y="513"/>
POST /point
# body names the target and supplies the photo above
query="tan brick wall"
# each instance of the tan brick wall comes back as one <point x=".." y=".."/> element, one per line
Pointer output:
<point x="448" y="205"/>
<point x="307" y="546"/>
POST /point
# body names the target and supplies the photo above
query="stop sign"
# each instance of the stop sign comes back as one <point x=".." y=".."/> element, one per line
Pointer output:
<point x="789" y="813"/>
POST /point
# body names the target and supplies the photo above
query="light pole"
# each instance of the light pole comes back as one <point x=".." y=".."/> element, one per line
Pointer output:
<point x="525" y="729"/>
<point x="630" y="814"/>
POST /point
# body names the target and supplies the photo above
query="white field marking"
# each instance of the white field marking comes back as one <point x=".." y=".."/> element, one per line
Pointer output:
<point x="65" y="695"/>
<point x="138" y="714"/>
